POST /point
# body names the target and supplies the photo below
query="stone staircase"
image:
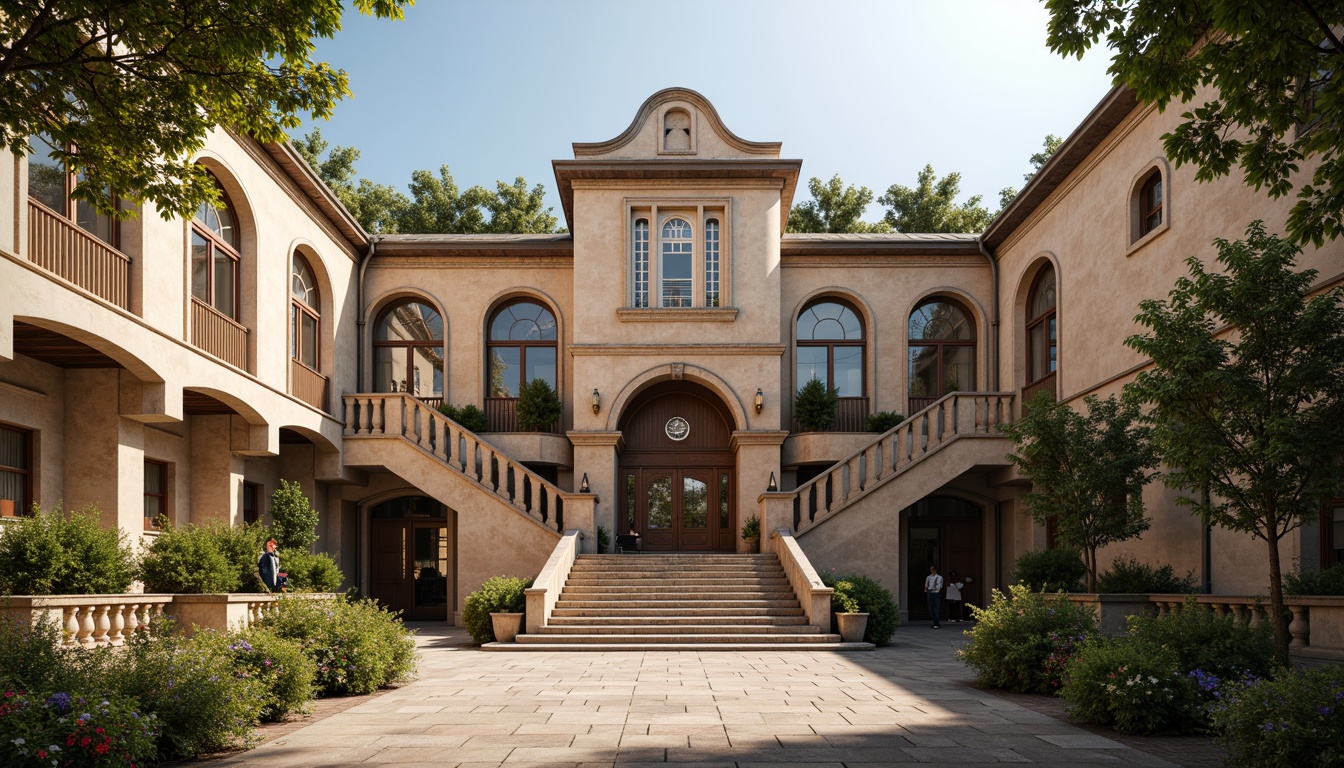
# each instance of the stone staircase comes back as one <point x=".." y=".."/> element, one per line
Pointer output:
<point x="678" y="602"/>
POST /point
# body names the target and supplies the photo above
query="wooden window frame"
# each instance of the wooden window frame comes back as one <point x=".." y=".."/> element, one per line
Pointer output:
<point x="215" y="243"/>
<point x="1043" y="318"/>
<point x="255" y="490"/>
<point x="410" y="346"/>
<point x="491" y="344"/>
<point x="831" y="344"/>
<point x="1148" y="207"/>
<point x="25" y="508"/>
<point x="940" y="344"/>
<point x="298" y="308"/>
<point x="162" y="495"/>
<point x="69" y="210"/>
<point x="698" y="215"/>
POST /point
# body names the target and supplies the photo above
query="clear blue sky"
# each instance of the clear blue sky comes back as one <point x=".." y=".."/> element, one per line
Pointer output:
<point x="871" y="90"/>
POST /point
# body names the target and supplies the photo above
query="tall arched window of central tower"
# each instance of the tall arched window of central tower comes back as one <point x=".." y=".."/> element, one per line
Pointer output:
<point x="1042" y="334"/>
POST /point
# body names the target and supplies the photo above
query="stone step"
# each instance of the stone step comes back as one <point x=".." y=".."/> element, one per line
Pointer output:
<point x="692" y="629"/>
<point x="725" y="557"/>
<point x="679" y="639"/>
<point x="594" y="581"/>
<point x="717" y="593"/>
<point x="627" y="612"/>
<point x="641" y="645"/>
<point x="676" y="620"/>
<point x="687" y="603"/>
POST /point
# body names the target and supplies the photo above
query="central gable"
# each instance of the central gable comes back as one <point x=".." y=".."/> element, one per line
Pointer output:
<point x="677" y="123"/>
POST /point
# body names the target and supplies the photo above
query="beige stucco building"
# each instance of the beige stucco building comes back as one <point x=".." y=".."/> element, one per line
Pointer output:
<point x="185" y="367"/>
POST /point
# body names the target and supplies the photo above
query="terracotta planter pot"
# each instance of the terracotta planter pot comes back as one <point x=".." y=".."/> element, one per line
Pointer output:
<point x="753" y="543"/>
<point x="507" y="626"/>
<point x="852" y="626"/>
<point x="6" y="508"/>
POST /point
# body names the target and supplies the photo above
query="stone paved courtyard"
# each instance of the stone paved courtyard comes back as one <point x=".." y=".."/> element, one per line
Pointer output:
<point x="909" y="704"/>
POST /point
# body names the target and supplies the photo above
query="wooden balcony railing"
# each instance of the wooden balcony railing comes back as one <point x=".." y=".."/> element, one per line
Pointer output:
<point x="502" y="415"/>
<point x="1044" y="384"/>
<point x="307" y="385"/>
<point x="851" y="415"/>
<point x="60" y="247"/>
<point x="218" y="335"/>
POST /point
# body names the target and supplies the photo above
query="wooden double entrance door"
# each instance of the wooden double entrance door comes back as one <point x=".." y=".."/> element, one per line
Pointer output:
<point x="681" y="509"/>
<point x="411" y="558"/>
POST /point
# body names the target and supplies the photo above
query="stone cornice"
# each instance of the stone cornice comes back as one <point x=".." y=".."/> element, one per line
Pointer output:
<point x="770" y="437"/>
<point x="604" y="350"/>
<point x="690" y="314"/>
<point x="600" y="438"/>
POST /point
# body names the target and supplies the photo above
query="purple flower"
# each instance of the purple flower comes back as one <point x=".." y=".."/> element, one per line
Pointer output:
<point x="60" y="701"/>
<point x="1324" y="711"/>
<point x="1267" y="727"/>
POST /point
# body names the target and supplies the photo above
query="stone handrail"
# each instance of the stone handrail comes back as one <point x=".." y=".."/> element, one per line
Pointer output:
<point x="88" y="621"/>
<point x="402" y="415"/>
<point x="955" y="415"/>
<point x="545" y="590"/>
<point x="814" y="596"/>
<point x="1316" y="626"/>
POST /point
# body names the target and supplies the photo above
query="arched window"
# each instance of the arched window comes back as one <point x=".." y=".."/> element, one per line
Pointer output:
<point x="1150" y="203"/>
<point x="941" y="352"/>
<point x="51" y="185"/>
<point x="305" y="313"/>
<point x="678" y="250"/>
<point x="408" y="350"/>
<point x="522" y="346"/>
<point x="215" y="257"/>
<point x="1042" y="333"/>
<point x="830" y="347"/>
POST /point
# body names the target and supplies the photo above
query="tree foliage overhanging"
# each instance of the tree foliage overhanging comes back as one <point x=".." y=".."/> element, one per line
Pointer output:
<point x="931" y="206"/>
<point x="834" y="207"/>
<point x="137" y="86"/>
<point x="1247" y="421"/>
<point x="1261" y="82"/>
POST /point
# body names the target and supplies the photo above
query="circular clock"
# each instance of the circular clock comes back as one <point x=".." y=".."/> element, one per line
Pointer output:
<point x="677" y="428"/>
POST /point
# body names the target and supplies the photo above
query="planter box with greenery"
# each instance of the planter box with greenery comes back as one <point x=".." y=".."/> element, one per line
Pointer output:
<point x="751" y="533"/>
<point x="860" y="595"/>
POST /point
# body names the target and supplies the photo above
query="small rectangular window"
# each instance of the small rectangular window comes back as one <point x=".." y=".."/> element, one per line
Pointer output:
<point x="156" y="493"/>
<point x="16" y="471"/>
<point x="641" y="254"/>
<point x="251" y="502"/>
<point x="712" y="263"/>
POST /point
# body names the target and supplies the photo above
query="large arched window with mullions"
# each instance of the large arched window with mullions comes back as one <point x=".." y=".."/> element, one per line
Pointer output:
<point x="215" y="257"/>
<point x="522" y="346"/>
<point x="408" y="350"/>
<point x="305" y="313"/>
<point x="1042" y="334"/>
<point x="830" y="347"/>
<point x="941" y="352"/>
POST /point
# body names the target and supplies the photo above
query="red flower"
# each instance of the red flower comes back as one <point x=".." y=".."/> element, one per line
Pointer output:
<point x="41" y="754"/>
<point x="100" y="749"/>
<point x="84" y="742"/>
<point x="99" y="729"/>
<point x="70" y="742"/>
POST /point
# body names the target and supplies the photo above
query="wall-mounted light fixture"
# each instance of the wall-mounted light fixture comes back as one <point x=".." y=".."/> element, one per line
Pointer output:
<point x="772" y="486"/>
<point x="760" y="400"/>
<point x="597" y="401"/>
<point x="583" y="484"/>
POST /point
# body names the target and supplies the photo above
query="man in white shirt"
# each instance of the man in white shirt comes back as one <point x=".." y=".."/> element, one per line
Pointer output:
<point x="933" y="594"/>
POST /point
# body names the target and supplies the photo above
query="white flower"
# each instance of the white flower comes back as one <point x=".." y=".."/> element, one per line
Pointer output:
<point x="19" y="742"/>
<point x="1152" y="679"/>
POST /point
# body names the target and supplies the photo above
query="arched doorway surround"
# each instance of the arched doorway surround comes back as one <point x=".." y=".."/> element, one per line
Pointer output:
<point x="676" y="480"/>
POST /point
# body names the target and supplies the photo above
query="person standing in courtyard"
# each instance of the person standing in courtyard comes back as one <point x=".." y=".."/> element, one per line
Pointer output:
<point x="954" y="603"/>
<point x="933" y="594"/>
<point x="269" y="567"/>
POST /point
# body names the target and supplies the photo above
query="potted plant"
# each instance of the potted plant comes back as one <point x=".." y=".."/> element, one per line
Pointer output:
<point x="495" y="611"/>
<point x="751" y="533"/>
<point x="539" y="406"/>
<point x="848" y="618"/>
<point x="815" y="406"/>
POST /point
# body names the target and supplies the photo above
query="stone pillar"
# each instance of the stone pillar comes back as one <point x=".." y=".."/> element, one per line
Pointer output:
<point x="580" y="510"/>
<point x="757" y="457"/>
<point x="597" y="455"/>
<point x="104" y="452"/>
<point x="216" y="472"/>
<point x="776" y="512"/>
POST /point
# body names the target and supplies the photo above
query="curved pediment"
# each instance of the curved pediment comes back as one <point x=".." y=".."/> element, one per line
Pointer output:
<point x="675" y="123"/>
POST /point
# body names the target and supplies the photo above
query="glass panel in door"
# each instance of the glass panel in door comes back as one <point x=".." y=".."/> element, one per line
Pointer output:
<point x="430" y="569"/>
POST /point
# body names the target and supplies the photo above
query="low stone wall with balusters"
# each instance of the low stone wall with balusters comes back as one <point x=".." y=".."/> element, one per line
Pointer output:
<point x="89" y="621"/>
<point x="1316" y="626"/>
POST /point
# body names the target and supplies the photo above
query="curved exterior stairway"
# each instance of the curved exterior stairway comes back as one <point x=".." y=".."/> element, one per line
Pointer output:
<point x="678" y="603"/>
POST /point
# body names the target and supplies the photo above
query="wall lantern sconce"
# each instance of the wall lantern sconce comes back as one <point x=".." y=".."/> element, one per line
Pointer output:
<point x="760" y="400"/>
<point x="773" y="486"/>
<point x="597" y="401"/>
<point x="583" y="484"/>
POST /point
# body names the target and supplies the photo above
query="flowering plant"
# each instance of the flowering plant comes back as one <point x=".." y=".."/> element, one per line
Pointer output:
<point x="1290" y="721"/>
<point x="62" y="729"/>
<point x="281" y="667"/>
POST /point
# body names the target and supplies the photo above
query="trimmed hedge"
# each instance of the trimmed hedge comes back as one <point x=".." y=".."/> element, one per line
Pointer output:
<point x="52" y="553"/>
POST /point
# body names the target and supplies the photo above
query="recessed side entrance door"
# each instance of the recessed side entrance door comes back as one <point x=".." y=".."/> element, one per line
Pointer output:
<point x="945" y="532"/>
<point x="411" y="558"/>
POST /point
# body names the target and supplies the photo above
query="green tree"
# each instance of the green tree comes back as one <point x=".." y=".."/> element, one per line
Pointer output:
<point x="834" y="207"/>
<point x="814" y="408"/>
<point x="538" y="406"/>
<point x="1247" y="422"/>
<point x="1049" y="146"/>
<point x="293" y="519"/>
<point x="514" y="208"/>
<point x="1276" y="96"/>
<point x="375" y="206"/>
<point x="1086" y="472"/>
<point x="930" y="206"/>
<point x="137" y="86"/>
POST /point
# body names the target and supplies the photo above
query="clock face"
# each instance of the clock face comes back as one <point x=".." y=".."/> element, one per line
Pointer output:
<point x="677" y="428"/>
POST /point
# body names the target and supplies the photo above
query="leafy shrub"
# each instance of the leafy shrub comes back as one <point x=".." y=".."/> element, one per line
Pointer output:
<point x="498" y="594"/>
<point x="190" y="683"/>
<point x="1132" y="686"/>
<point x="293" y="519"/>
<point x="883" y="421"/>
<point x="41" y="729"/>
<point x="469" y="416"/>
<point x="603" y="539"/>
<point x="1329" y="581"/>
<point x="32" y="659"/>
<point x="358" y="646"/>
<point x="538" y="406"/>
<point x="51" y="553"/>
<point x="1291" y="721"/>
<point x="751" y="528"/>
<point x="1016" y="635"/>
<point x="241" y="545"/>
<point x="1128" y="576"/>
<point x="280" y="665"/>
<point x="815" y="406"/>
<point x="189" y="560"/>
<point x="1051" y="570"/>
<point x="318" y="572"/>
<point x="860" y="594"/>
<point x="1200" y="639"/>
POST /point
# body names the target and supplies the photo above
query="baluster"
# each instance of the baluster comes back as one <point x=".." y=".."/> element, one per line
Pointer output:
<point x="101" y="625"/>
<point x="1257" y="617"/>
<point x="812" y="502"/>
<point x="444" y="428"/>
<point x="426" y="439"/>
<point x="114" y="634"/>
<point x="901" y="453"/>
<point x="1300" y="628"/>
<point x="132" y="620"/>
<point x="71" y="626"/>
<point x="853" y="477"/>
<point x="543" y="507"/>
<point x="559" y="525"/>
<point x="511" y="478"/>
<point x="947" y="419"/>
<point x="377" y="406"/>
<point x="361" y="415"/>
<point x="1239" y="613"/>
<point x="873" y="465"/>
<point x="86" y="626"/>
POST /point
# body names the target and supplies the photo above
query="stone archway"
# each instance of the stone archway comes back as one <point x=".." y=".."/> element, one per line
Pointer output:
<point x="676" y="479"/>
